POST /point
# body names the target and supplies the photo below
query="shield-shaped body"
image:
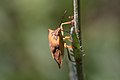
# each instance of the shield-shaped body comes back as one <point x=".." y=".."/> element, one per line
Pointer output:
<point x="56" y="45"/>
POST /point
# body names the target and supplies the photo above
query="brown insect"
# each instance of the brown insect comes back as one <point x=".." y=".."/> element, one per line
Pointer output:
<point x="56" y="42"/>
<point x="56" y="45"/>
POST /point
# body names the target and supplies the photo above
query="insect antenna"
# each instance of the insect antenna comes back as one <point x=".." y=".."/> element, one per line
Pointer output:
<point x="63" y="17"/>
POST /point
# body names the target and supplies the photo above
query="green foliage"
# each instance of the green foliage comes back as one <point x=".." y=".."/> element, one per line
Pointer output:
<point x="75" y="44"/>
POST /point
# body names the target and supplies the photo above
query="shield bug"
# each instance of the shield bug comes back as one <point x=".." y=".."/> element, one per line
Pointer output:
<point x="56" y="45"/>
<point x="56" y="42"/>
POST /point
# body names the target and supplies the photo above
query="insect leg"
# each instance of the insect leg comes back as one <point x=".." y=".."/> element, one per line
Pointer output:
<point x="61" y="26"/>
<point x="67" y="46"/>
<point x="67" y="38"/>
<point x="69" y="55"/>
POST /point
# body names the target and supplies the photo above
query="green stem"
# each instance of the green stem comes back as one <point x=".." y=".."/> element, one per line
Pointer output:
<point x="77" y="68"/>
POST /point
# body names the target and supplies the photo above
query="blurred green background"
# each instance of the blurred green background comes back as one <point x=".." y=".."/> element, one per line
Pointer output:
<point x="24" y="49"/>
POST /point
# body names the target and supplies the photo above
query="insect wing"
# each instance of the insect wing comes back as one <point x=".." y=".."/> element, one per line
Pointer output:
<point x="56" y="45"/>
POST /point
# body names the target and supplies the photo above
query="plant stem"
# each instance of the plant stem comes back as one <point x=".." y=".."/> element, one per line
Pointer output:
<point x="77" y="68"/>
<point x="76" y="4"/>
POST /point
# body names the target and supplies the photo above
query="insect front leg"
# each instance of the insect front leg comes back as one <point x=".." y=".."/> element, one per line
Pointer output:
<point x="65" y="23"/>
